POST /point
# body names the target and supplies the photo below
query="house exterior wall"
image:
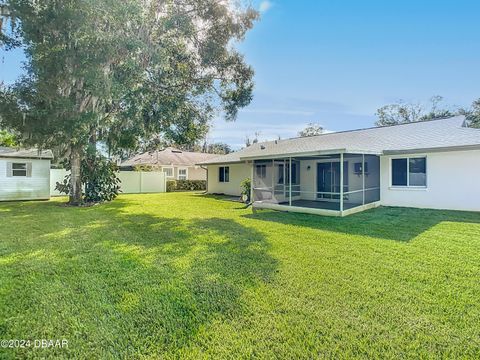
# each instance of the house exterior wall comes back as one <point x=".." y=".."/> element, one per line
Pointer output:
<point x="197" y="173"/>
<point x="452" y="182"/>
<point x="36" y="187"/>
<point x="193" y="172"/>
<point x="238" y="172"/>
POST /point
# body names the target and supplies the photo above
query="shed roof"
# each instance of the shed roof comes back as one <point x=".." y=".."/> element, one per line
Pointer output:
<point x="433" y="135"/>
<point x="25" y="153"/>
<point x="168" y="156"/>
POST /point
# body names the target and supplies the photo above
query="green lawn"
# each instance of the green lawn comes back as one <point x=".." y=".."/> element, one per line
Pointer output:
<point x="190" y="276"/>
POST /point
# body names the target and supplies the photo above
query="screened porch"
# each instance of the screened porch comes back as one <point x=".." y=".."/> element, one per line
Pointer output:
<point x="317" y="184"/>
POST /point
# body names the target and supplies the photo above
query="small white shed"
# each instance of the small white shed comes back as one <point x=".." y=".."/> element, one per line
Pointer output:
<point x="24" y="174"/>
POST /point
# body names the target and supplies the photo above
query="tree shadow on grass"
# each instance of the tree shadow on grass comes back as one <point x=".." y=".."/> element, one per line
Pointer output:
<point x="391" y="223"/>
<point x="128" y="284"/>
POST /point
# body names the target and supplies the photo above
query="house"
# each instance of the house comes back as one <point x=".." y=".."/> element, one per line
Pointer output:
<point x="24" y="174"/>
<point x="176" y="164"/>
<point x="432" y="164"/>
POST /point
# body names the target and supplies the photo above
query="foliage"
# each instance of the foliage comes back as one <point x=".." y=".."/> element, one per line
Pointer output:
<point x="312" y="129"/>
<point x="99" y="179"/>
<point x="146" y="168"/>
<point x="402" y="112"/>
<point x="7" y="139"/>
<point x="250" y="141"/>
<point x="186" y="185"/>
<point x="120" y="72"/>
<point x="206" y="278"/>
<point x="218" y="148"/>
<point x="246" y="186"/>
<point x="473" y="114"/>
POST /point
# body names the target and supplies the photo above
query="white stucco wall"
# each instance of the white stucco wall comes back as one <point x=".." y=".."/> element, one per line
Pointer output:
<point x="453" y="182"/>
<point x="238" y="172"/>
<point x="36" y="187"/>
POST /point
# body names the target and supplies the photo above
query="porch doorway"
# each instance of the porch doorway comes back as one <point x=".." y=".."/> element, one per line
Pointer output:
<point x="328" y="180"/>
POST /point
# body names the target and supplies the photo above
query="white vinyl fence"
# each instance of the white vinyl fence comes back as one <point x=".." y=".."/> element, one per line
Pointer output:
<point x="132" y="182"/>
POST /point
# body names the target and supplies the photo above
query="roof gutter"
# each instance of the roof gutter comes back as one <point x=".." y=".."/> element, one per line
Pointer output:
<point x="436" y="149"/>
<point x="311" y="153"/>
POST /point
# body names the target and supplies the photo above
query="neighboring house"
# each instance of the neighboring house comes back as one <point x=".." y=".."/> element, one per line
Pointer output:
<point x="24" y="174"/>
<point x="433" y="164"/>
<point x="176" y="164"/>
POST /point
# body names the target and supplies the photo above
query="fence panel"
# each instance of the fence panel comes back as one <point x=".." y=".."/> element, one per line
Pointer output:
<point x="56" y="175"/>
<point x="132" y="182"/>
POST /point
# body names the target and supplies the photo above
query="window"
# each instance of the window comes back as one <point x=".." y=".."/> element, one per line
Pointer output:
<point x="19" y="169"/>
<point x="182" y="174"/>
<point x="168" y="172"/>
<point x="295" y="173"/>
<point x="224" y="174"/>
<point x="409" y="172"/>
<point x="261" y="171"/>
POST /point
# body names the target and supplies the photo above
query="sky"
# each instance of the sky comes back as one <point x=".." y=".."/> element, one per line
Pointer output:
<point x="335" y="62"/>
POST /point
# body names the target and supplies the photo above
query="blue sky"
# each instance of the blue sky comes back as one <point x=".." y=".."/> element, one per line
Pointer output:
<point x="335" y="62"/>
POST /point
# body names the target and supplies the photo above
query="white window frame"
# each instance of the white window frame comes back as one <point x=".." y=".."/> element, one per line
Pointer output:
<point x="20" y="163"/>
<point x="186" y="173"/>
<point x="408" y="186"/>
<point x="168" y="168"/>
<point x="219" y="171"/>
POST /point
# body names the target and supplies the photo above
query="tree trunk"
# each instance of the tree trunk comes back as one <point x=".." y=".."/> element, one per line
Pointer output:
<point x="76" y="176"/>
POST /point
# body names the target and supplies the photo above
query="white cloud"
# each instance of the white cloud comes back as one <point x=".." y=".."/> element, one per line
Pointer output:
<point x="265" y="6"/>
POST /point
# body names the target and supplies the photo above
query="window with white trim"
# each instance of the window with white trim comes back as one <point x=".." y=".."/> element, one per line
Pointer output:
<point x="409" y="172"/>
<point x="168" y="171"/>
<point x="182" y="174"/>
<point x="19" y="169"/>
<point x="261" y="171"/>
<point x="224" y="174"/>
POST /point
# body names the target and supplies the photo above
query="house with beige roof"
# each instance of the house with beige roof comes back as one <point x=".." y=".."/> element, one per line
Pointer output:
<point x="176" y="164"/>
<point x="432" y="164"/>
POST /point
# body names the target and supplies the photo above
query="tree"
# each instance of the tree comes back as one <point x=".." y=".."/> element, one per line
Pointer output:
<point x="402" y="112"/>
<point x="218" y="148"/>
<point x="473" y="114"/>
<point x="254" y="140"/>
<point x="121" y="71"/>
<point x="7" y="139"/>
<point x="312" y="129"/>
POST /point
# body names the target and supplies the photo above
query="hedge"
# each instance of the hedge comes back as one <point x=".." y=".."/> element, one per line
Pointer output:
<point x="186" y="185"/>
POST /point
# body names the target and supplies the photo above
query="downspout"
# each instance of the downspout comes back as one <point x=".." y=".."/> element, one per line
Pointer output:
<point x="206" y="169"/>
<point x="341" y="184"/>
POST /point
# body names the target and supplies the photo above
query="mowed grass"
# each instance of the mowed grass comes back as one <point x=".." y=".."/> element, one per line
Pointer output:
<point x="183" y="275"/>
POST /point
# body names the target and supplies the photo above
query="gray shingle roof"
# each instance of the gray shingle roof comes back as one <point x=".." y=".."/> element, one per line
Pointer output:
<point x="168" y="156"/>
<point x="411" y="137"/>
<point x="25" y="153"/>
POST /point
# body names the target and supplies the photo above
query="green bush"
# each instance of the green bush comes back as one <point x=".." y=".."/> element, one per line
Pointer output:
<point x="186" y="185"/>
<point x="99" y="179"/>
<point x="246" y="186"/>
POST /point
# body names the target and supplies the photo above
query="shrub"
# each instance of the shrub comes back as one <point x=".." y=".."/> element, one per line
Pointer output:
<point x="186" y="185"/>
<point x="99" y="179"/>
<point x="246" y="186"/>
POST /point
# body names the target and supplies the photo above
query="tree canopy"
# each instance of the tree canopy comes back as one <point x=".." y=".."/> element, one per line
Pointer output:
<point x="7" y="139"/>
<point x="403" y="112"/>
<point x="123" y="71"/>
<point x="311" y="129"/>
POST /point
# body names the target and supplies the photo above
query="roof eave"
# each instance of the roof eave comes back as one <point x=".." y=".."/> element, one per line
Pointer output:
<point x="435" y="149"/>
<point x="311" y="153"/>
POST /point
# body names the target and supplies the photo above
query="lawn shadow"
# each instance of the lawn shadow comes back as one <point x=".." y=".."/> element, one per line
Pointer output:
<point x="122" y="275"/>
<point x="391" y="223"/>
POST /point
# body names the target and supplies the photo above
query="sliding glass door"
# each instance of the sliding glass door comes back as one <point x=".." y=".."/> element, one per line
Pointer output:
<point x="328" y="180"/>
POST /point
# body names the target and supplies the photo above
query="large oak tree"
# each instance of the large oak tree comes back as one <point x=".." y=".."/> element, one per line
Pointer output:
<point x="121" y="71"/>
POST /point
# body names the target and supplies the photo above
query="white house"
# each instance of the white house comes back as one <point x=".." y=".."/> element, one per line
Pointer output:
<point x="24" y="174"/>
<point x="176" y="164"/>
<point x="432" y="164"/>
